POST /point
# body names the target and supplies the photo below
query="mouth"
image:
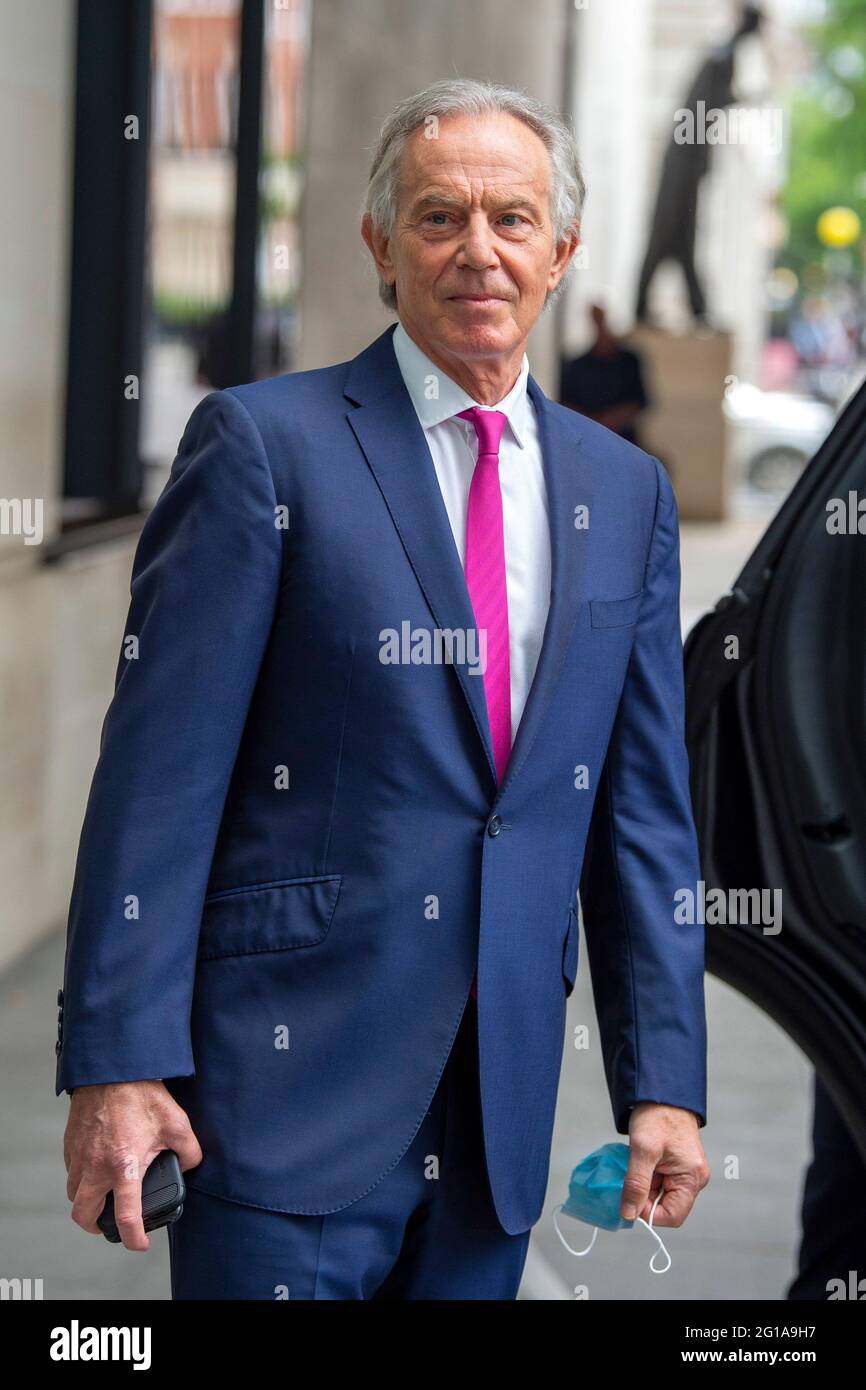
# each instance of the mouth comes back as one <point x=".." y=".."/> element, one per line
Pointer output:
<point x="477" y="301"/>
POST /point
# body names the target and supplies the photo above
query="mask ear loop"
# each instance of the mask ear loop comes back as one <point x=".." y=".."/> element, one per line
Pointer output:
<point x="648" y="1225"/>
<point x="565" y="1242"/>
<point x="661" y="1249"/>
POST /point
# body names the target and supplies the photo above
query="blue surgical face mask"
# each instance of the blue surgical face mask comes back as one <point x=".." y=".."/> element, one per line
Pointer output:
<point x="594" y="1196"/>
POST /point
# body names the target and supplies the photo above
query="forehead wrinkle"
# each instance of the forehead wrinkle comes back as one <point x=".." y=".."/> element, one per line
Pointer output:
<point x="498" y="195"/>
<point x="450" y="163"/>
<point x="498" y="191"/>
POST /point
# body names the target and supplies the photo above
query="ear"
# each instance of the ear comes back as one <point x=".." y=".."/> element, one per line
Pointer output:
<point x="565" y="249"/>
<point x="379" y="244"/>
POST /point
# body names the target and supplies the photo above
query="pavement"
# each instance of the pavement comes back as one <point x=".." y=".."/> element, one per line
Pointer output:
<point x="739" y="1242"/>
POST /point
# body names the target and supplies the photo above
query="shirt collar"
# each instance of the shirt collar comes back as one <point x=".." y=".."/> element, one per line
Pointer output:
<point x="416" y="368"/>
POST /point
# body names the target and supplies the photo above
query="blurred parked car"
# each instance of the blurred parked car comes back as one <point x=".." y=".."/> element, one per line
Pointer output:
<point x="774" y="434"/>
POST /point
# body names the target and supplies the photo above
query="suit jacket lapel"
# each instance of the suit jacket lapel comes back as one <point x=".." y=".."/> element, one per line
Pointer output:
<point x="569" y="481"/>
<point x="394" y="444"/>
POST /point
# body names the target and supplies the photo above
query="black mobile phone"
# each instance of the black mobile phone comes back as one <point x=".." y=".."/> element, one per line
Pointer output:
<point x="162" y="1197"/>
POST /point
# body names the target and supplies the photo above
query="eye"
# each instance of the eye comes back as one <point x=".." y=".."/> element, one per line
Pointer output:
<point x="514" y="214"/>
<point x="437" y="214"/>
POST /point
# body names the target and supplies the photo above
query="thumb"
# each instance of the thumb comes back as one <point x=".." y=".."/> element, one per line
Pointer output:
<point x="636" y="1187"/>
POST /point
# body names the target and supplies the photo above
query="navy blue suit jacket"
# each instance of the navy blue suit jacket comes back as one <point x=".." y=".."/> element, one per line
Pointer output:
<point x="295" y="854"/>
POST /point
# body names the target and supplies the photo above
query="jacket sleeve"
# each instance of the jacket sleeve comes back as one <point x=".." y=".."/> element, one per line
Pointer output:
<point x="647" y="969"/>
<point x="205" y="581"/>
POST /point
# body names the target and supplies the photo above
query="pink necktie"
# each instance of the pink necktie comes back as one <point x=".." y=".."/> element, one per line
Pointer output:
<point x="485" y="579"/>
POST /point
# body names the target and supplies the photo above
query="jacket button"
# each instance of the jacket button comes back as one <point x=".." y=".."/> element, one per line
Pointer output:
<point x="60" y="997"/>
<point x="57" y="1047"/>
<point x="494" y="825"/>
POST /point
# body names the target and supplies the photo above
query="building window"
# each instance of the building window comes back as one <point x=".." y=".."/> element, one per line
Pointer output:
<point x="185" y="256"/>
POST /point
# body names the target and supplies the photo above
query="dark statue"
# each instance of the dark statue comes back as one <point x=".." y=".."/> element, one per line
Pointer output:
<point x="672" y="235"/>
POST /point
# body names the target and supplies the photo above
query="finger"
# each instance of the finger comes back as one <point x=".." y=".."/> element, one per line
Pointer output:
<point x="187" y="1148"/>
<point x="656" y="1189"/>
<point x="87" y="1204"/>
<point x="675" y="1205"/>
<point x="127" y="1214"/>
<point x="656" y="1186"/>
<point x="73" y="1181"/>
<point x="638" y="1178"/>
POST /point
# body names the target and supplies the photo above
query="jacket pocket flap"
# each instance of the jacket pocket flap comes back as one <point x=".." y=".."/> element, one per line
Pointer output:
<point x="268" y="916"/>
<point x="615" y="612"/>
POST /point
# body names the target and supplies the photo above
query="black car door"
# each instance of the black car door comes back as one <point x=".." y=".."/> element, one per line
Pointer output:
<point x="776" y="709"/>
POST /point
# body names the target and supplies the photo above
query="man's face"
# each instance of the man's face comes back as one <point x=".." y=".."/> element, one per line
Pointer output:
<point x="472" y="252"/>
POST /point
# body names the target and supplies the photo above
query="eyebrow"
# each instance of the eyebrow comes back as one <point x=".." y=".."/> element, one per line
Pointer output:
<point x="443" y="200"/>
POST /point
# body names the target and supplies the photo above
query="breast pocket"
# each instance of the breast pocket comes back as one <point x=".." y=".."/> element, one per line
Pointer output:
<point x="284" y="916"/>
<point x="615" y="612"/>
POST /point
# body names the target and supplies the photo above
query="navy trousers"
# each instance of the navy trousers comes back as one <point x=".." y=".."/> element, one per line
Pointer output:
<point x="427" y="1230"/>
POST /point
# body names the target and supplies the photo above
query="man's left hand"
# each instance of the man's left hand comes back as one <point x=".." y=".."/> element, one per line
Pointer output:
<point x="664" y="1152"/>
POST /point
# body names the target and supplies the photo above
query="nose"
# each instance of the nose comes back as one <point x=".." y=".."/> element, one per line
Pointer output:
<point x="477" y="249"/>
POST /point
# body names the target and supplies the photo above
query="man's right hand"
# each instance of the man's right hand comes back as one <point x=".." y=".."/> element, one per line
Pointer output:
<point x="113" y="1134"/>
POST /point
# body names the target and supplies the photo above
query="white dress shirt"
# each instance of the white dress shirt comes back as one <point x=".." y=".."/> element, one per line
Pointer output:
<point x="453" y="447"/>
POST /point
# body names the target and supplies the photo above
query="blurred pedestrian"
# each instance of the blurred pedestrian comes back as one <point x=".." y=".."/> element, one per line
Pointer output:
<point x="607" y="382"/>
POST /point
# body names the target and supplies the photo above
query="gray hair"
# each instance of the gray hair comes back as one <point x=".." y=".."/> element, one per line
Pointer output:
<point x="466" y="96"/>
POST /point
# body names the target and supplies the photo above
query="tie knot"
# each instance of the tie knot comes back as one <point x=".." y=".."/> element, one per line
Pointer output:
<point x="489" y="425"/>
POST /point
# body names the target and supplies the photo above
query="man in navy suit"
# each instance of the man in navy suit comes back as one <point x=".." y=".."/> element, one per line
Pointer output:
<point x="402" y="673"/>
